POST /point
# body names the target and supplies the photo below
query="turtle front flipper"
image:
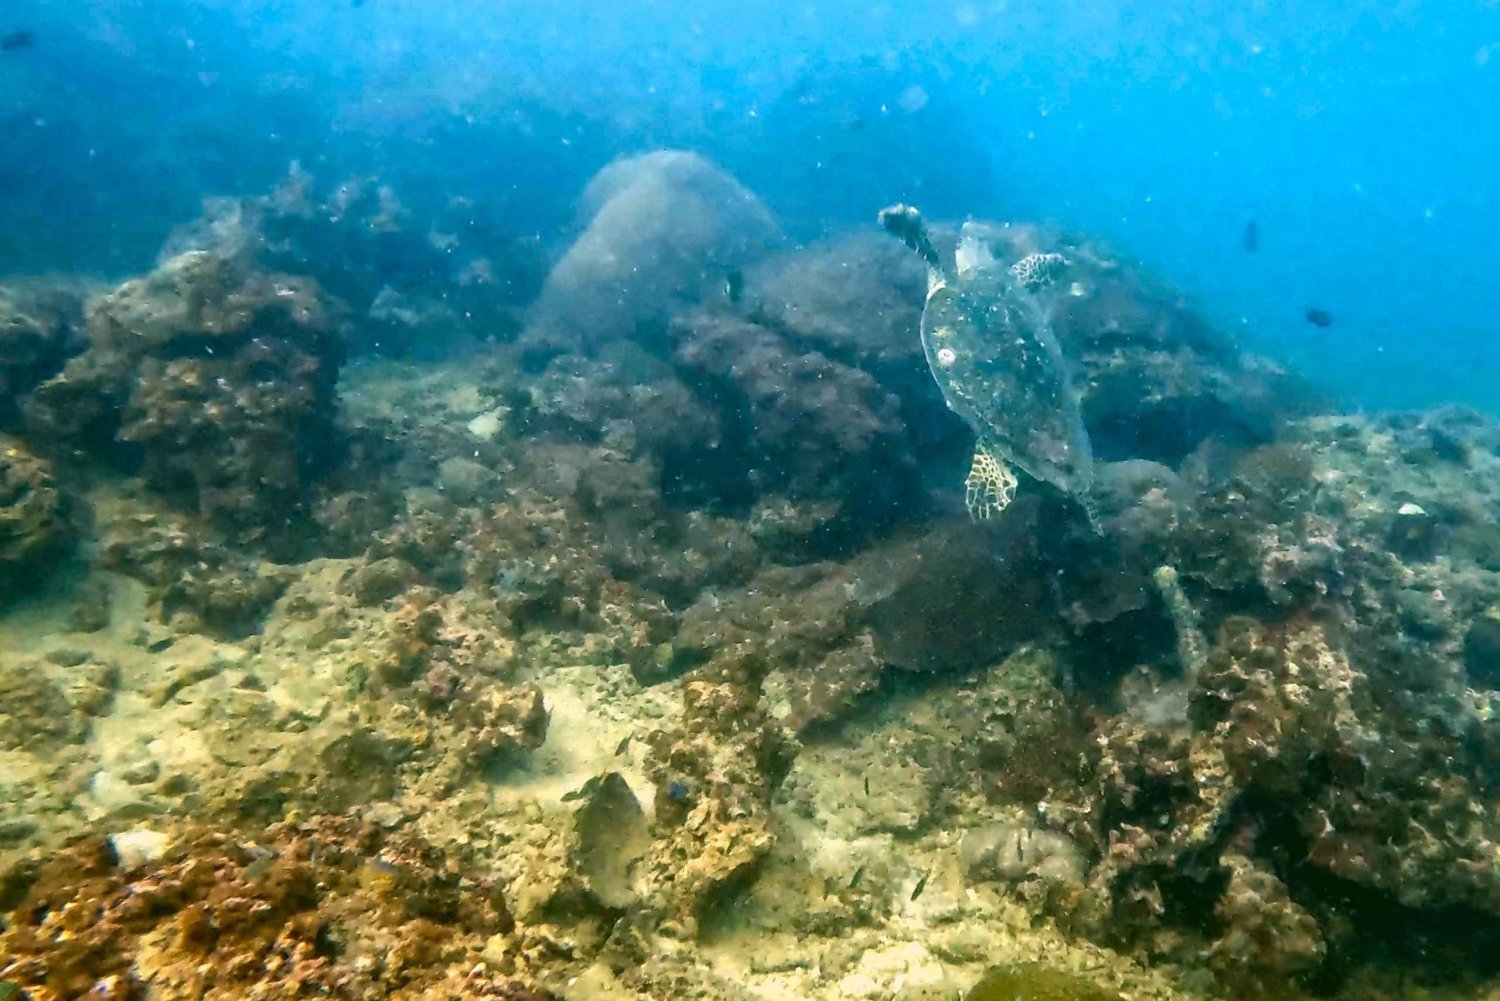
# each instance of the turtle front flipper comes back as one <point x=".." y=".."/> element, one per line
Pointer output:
<point x="990" y="486"/>
<point x="905" y="223"/>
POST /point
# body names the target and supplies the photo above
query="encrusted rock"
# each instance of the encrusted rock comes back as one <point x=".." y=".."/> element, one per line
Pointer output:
<point x="39" y="329"/>
<point x="1015" y="852"/>
<point x="216" y="377"/>
<point x="34" y="526"/>
<point x="193" y="578"/>
<point x="218" y="918"/>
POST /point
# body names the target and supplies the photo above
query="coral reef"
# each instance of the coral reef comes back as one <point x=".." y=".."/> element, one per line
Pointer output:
<point x="857" y="297"/>
<point x="40" y="327"/>
<point x="454" y="668"/>
<point x="193" y="580"/>
<point x="330" y="906"/>
<point x="216" y="378"/>
<point x="798" y="424"/>
<point x="650" y="654"/>
<point x="34" y="525"/>
<point x="421" y="278"/>
<point x="714" y="779"/>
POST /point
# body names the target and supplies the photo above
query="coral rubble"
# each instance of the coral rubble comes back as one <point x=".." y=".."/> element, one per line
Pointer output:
<point x="329" y="906"/>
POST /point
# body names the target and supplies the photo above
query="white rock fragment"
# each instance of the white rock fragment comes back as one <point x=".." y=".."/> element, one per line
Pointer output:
<point x="486" y="425"/>
<point x="138" y="847"/>
<point x="904" y="971"/>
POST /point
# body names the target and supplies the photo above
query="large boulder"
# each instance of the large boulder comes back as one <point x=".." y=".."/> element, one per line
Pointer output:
<point x="661" y="231"/>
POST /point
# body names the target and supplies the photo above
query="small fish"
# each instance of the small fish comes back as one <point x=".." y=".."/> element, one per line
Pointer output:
<point x="1319" y="317"/>
<point x="1252" y="236"/>
<point x="859" y="874"/>
<point x="15" y="41"/>
<point x="258" y="868"/>
<point x="734" y="286"/>
<point x="378" y="874"/>
<point x="921" y="885"/>
<point x="867" y="785"/>
<point x="622" y="746"/>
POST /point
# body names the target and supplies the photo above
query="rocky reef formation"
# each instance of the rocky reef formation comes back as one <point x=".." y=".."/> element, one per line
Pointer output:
<point x="34" y="524"/>
<point x="330" y="906"/>
<point x="216" y="380"/>
<point x="714" y="779"/>
<point x="1283" y="797"/>
<point x="416" y="276"/>
<point x="650" y="654"/>
<point x="40" y="328"/>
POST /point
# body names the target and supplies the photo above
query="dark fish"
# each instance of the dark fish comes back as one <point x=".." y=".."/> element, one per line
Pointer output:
<point x="258" y="868"/>
<point x="867" y="785"/>
<point x="734" y="286"/>
<point x="859" y="874"/>
<point x="1252" y="236"/>
<point x="620" y="748"/>
<point x="1319" y="317"/>
<point x="921" y="885"/>
<point x="15" y="41"/>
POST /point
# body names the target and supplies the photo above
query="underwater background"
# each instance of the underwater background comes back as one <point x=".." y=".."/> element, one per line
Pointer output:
<point x="918" y="500"/>
<point x="1358" y="137"/>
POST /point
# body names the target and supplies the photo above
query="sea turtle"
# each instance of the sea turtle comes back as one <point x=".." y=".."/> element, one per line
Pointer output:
<point x="997" y="362"/>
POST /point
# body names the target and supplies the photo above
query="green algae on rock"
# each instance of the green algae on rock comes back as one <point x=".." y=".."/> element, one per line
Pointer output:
<point x="1029" y="982"/>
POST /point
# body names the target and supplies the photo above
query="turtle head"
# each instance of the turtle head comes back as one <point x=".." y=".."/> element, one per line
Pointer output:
<point x="905" y="223"/>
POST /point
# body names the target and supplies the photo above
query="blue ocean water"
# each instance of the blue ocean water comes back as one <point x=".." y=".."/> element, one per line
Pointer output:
<point x="1362" y="139"/>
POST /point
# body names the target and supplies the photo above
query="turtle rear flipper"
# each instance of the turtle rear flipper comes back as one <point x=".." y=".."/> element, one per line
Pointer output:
<point x="990" y="486"/>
